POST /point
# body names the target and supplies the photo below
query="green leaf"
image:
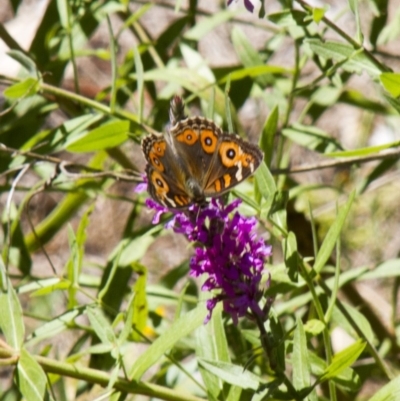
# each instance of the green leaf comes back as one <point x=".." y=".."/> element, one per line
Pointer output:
<point x="332" y="235"/>
<point x="232" y="374"/>
<point x="389" y="268"/>
<point x="105" y="137"/>
<point x="360" y="320"/>
<point x="179" y="329"/>
<point x="391" y="82"/>
<point x="206" y="25"/>
<point x="268" y="135"/>
<point x="312" y="138"/>
<point x="363" y="151"/>
<point x="301" y="363"/>
<point x="25" y="61"/>
<point x="11" y="322"/>
<point x="253" y="72"/>
<point x="291" y="256"/>
<point x="348" y="379"/>
<point x="135" y="249"/>
<point x="314" y="327"/>
<point x="318" y="14"/>
<point x="140" y="305"/>
<point x="248" y="55"/>
<point x="389" y="392"/>
<point x="343" y="360"/>
<point x="391" y="31"/>
<point x="211" y="344"/>
<point x="54" y="327"/>
<point x="265" y="182"/>
<point x="289" y="18"/>
<point x="101" y="326"/>
<point x="31" y="378"/>
<point x="25" y="88"/>
<point x="48" y="286"/>
<point x="351" y="59"/>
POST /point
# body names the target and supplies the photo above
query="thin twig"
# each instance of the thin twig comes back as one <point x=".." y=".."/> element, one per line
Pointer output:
<point x="24" y="169"/>
<point x="64" y="165"/>
<point x="385" y="154"/>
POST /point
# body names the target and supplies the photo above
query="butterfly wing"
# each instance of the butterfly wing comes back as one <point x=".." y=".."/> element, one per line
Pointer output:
<point x="165" y="178"/>
<point x="195" y="141"/>
<point x="215" y="161"/>
<point x="234" y="161"/>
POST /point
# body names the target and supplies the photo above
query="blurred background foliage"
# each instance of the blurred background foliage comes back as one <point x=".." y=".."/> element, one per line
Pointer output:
<point x="87" y="279"/>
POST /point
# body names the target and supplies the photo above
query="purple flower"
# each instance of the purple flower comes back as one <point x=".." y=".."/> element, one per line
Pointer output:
<point x="227" y="251"/>
<point x="248" y="4"/>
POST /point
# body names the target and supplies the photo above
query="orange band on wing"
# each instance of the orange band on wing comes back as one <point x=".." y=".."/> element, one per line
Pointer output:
<point x="189" y="137"/>
<point x="160" y="185"/>
<point x="231" y="154"/>
<point x="227" y="180"/>
<point x="209" y="141"/>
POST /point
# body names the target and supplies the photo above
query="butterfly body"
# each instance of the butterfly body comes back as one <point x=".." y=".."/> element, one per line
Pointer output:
<point x="196" y="160"/>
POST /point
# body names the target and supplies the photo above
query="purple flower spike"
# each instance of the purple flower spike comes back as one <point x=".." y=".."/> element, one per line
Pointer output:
<point x="227" y="251"/>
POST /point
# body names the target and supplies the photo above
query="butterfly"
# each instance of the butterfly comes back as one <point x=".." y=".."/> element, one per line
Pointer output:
<point x="195" y="160"/>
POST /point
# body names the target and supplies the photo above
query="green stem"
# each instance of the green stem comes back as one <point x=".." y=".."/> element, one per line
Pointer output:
<point x="101" y="378"/>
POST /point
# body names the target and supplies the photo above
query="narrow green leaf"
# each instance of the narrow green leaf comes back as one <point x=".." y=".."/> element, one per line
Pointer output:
<point x="128" y="321"/>
<point x="179" y="329"/>
<point x="256" y="71"/>
<point x="192" y="81"/>
<point x="289" y="18"/>
<point x="25" y="61"/>
<point x="233" y="374"/>
<point x="62" y="7"/>
<point x="135" y="249"/>
<point x="389" y="268"/>
<point x="11" y="322"/>
<point x="114" y="65"/>
<point x="196" y="63"/>
<point x="363" y="151"/>
<point x="391" y="31"/>
<point x="268" y="135"/>
<point x="300" y="361"/>
<point x="265" y="181"/>
<point x="3" y="276"/>
<point x="360" y="320"/>
<point x="343" y="360"/>
<point x="140" y="81"/>
<point x="353" y="60"/>
<point x="48" y="287"/>
<point x="389" y="392"/>
<point x="101" y="326"/>
<point x="31" y="378"/>
<point x="391" y="82"/>
<point x="211" y="344"/>
<point x="140" y="305"/>
<point x="291" y="256"/>
<point x="355" y="9"/>
<point x="25" y="88"/>
<point x="54" y="327"/>
<point x="206" y="25"/>
<point x="348" y="379"/>
<point x="247" y="53"/>
<point x="312" y="138"/>
<point x="332" y="235"/>
<point x="107" y="136"/>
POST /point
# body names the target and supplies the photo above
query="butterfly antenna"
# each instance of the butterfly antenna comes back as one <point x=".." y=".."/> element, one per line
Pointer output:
<point x="177" y="110"/>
